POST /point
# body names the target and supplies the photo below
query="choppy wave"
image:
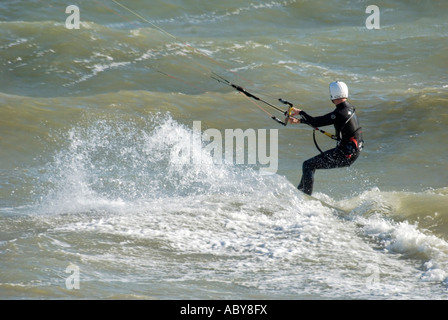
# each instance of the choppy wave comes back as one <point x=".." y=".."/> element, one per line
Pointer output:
<point x="43" y="58"/>
<point x="115" y="191"/>
<point x="94" y="170"/>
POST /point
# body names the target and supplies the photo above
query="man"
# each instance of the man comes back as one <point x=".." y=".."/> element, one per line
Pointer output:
<point x="348" y="133"/>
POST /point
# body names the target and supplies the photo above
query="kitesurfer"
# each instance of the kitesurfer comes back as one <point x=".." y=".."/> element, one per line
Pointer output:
<point x="348" y="133"/>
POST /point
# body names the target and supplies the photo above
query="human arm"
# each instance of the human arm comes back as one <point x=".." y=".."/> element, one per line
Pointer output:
<point x="321" y="121"/>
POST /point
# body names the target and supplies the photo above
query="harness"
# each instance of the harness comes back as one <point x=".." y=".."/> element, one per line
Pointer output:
<point x="352" y="141"/>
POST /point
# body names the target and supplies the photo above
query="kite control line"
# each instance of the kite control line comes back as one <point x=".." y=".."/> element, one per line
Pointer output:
<point x="250" y="95"/>
<point x="287" y="113"/>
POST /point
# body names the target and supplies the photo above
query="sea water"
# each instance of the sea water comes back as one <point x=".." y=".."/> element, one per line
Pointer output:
<point x="106" y="191"/>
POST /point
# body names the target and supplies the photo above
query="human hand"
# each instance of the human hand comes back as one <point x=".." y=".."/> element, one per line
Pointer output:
<point x="295" y="111"/>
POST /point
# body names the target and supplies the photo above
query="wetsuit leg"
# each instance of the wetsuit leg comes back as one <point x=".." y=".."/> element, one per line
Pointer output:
<point x="333" y="158"/>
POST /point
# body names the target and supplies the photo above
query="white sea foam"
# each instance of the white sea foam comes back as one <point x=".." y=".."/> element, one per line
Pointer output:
<point x="226" y="222"/>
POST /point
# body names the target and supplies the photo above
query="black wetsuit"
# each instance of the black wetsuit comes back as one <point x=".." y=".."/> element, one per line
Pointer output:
<point x="346" y="152"/>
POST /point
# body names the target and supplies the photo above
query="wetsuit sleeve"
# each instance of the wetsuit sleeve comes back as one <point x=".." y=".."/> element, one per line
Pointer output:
<point x="321" y="121"/>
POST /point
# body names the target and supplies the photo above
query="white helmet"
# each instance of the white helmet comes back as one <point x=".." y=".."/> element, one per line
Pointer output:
<point x="338" y="90"/>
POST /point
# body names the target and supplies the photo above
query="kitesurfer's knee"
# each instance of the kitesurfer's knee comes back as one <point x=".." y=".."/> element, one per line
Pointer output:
<point x="308" y="168"/>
